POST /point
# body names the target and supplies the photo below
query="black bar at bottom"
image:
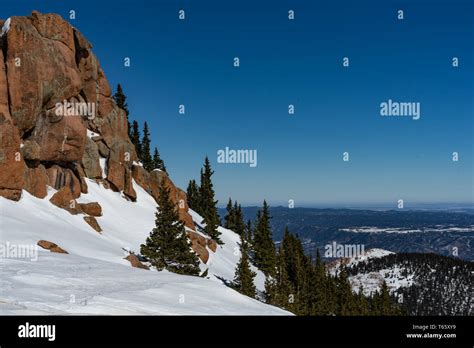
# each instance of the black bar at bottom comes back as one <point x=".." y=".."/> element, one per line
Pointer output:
<point x="192" y="330"/>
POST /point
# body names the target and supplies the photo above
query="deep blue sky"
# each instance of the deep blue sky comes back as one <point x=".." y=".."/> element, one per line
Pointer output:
<point x="295" y="62"/>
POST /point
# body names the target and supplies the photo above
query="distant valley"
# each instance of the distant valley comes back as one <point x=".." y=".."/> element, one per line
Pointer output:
<point x="449" y="233"/>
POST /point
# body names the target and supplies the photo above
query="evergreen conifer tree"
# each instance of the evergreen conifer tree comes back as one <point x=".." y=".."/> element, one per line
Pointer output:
<point x="168" y="245"/>
<point x="145" y="149"/>
<point x="121" y="101"/>
<point x="158" y="162"/>
<point x="239" y="223"/>
<point x="278" y="289"/>
<point x="229" y="219"/>
<point x="208" y="204"/>
<point x="319" y="303"/>
<point x="249" y="233"/>
<point x="307" y="283"/>
<point x="345" y="298"/>
<point x="363" y="307"/>
<point x="331" y="295"/>
<point x="299" y="271"/>
<point x="192" y="193"/>
<point x="135" y="139"/>
<point x="244" y="276"/>
<point x="263" y="246"/>
<point x="385" y="303"/>
<point x="234" y="220"/>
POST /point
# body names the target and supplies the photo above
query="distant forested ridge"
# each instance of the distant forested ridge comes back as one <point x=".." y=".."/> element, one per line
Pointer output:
<point x="441" y="285"/>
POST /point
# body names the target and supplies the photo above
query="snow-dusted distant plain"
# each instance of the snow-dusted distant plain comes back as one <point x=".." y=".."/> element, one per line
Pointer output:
<point x="440" y="228"/>
<point x="94" y="278"/>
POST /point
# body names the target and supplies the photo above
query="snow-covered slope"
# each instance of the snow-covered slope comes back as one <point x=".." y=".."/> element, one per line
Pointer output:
<point x="351" y="261"/>
<point x="94" y="277"/>
<point x="71" y="284"/>
<point x="371" y="281"/>
<point x="222" y="264"/>
<point x="124" y="224"/>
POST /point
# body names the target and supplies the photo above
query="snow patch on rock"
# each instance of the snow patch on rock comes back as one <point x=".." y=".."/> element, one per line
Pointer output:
<point x="103" y="166"/>
<point x="91" y="134"/>
<point x="5" y="27"/>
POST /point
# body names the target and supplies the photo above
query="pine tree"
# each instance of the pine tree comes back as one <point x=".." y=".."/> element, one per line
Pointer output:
<point x="278" y="290"/>
<point x="229" y="219"/>
<point x="158" y="162"/>
<point x="307" y="283"/>
<point x="168" y="245"/>
<point x="385" y="303"/>
<point x="363" y="307"/>
<point x="319" y="301"/>
<point x="135" y="139"/>
<point x="345" y="298"/>
<point x="208" y="204"/>
<point x="294" y="257"/>
<point x="239" y="224"/>
<point x="120" y="100"/>
<point x="145" y="149"/>
<point x="304" y="276"/>
<point x="299" y="271"/>
<point x="193" y="196"/>
<point x="249" y="232"/>
<point x="244" y="276"/>
<point x="234" y="220"/>
<point x="263" y="246"/>
<point x="331" y="295"/>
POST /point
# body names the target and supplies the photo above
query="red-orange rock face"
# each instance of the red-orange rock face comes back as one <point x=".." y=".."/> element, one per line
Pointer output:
<point x="151" y="182"/>
<point x="36" y="179"/>
<point x="44" y="61"/>
<point x="41" y="71"/>
<point x="198" y="244"/>
<point x="53" y="27"/>
<point x="135" y="262"/>
<point x="64" y="199"/>
<point x="4" y="109"/>
<point x="92" y="221"/>
<point x="60" y="138"/>
<point x="53" y="247"/>
<point x="93" y="208"/>
<point x="60" y="177"/>
<point x="11" y="163"/>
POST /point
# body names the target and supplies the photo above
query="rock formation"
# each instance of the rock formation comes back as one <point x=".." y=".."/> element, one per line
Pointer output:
<point x="52" y="247"/>
<point x="50" y="80"/>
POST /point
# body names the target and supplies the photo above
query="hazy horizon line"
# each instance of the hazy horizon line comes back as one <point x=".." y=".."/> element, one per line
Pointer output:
<point x="390" y="206"/>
